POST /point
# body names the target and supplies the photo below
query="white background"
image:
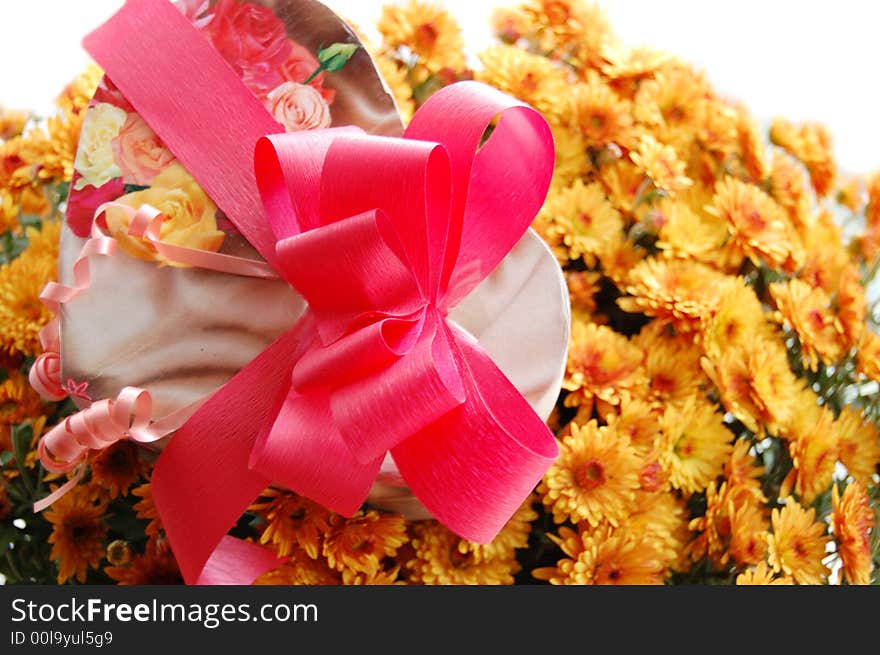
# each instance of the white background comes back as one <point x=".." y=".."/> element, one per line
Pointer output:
<point x="804" y="60"/>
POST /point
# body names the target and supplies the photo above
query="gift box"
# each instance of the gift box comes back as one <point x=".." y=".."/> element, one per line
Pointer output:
<point x="397" y="296"/>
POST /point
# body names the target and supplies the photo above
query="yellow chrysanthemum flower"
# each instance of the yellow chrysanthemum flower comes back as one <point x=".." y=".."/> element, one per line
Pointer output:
<point x="696" y="444"/>
<point x="813" y="446"/>
<point x="603" y="556"/>
<point x="22" y="314"/>
<point x="623" y="182"/>
<point x="753" y="151"/>
<point x="808" y="312"/>
<point x="733" y="527"/>
<point x="738" y="321"/>
<point x="868" y="359"/>
<point x="661" y="517"/>
<point x="574" y="29"/>
<point x="363" y="541"/>
<point x="12" y="122"/>
<point x="797" y="544"/>
<point x="672" y="365"/>
<point x="686" y="232"/>
<point x="661" y="164"/>
<point x="811" y="144"/>
<point x="673" y="104"/>
<point x="762" y="575"/>
<point x="756" y="384"/>
<point x="292" y="522"/>
<point x="595" y="477"/>
<point x="428" y="30"/>
<point x="788" y="186"/>
<point x="757" y="225"/>
<point x="601" y="364"/>
<point x="300" y="569"/>
<point x="677" y="291"/>
<point x="602" y="117"/>
<point x="531" y="78"/>
<point x="640" y="421"/>
<point x="586" y="218"/>
<point x="743" y="473"/>
<point x="858" y="444"/>
<point x="853" y="521"/>
<point x="18" y="402"/>
<point x="438" y="560"/>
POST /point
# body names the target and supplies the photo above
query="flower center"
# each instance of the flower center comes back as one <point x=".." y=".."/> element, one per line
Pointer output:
<point x="590" y="475"/>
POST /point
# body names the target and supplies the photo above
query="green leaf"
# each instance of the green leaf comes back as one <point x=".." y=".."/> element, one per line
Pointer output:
<point x="5" y="457"/>
<point x="11" y="246"/>
<point x="31" y="220"/>
<point x="22" y="435"/>
<point x="131" y="188"/>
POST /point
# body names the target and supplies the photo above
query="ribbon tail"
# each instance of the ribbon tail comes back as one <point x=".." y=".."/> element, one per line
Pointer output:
<point x="236" y="562"/>
<point x="475" y="466"/>
<point x="201" y="483"/>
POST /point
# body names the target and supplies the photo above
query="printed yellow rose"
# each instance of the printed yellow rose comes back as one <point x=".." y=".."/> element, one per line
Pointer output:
<point x="189" y="215"/>
<point x="94" y="157"/>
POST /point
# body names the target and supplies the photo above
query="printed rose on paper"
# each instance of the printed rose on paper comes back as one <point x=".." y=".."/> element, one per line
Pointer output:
<point x="190" y="216"/>
<point x="94" y="159"/>
<point x="122" y="158"/>
<point x="139" y="152"/>
<point x="254" y="42"/>
<point x="298" y="107"/>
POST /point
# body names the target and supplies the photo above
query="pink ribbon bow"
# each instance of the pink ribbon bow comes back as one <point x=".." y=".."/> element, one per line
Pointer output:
<point x="382" y="236"/>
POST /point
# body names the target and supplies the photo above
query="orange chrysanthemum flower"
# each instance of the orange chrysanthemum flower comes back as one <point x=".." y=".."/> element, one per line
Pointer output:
<point x="756" y="384"/>
<point x="661" y="164"/>
<point x="77" y="532"/>
<point x="300" y="569"/>
<point x="602" y="117"/>
<point x="118" y="467"/>
<point x="868" y="363"/>
<point x="757" y="225"/>
<point x="733" y="527"/>
<point x="603" y="556"/>
<point x="595" y="477"/>
<point x="151" y="568"/>
<point x="696" y="444"/>
<point x="18" y="401"/>
<point x="853" y="521"/>
<point x="363" y="541"/>
<point x="811" y="144"/>
<point x="531" y="78"/>
<point x="428" y="30"/>
<point x="808" y="312"/>
<point x="797" y="544"/>
<point x="762" y="575"/>
<point x="439" y="560"/>
<point x="586" y="219"/>
<point x="676" y="291"/>
<point x="738" y="320"/>
<point x="672" y="365"/>
<point x="858" y="444"/>
<point x="601" y="364"/>
<point x="814" y="449"/>
<point x="292" y="522"/>
<point x="22" y="314"/>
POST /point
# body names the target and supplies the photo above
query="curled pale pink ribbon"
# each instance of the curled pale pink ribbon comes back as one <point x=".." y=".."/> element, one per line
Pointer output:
<point x="382" y="236"/>
<point x="67" y="446"/>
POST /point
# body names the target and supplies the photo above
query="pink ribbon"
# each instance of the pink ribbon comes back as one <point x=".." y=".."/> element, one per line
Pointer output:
<point x="382" y="237"/>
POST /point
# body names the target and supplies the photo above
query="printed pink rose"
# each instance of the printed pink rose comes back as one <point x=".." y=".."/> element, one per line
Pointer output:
<point x="198" y="11"/>
<point x="298" y="107"/>
<point x="139" y="152"/>
<point x="81" y="204"/>
<point x="300" y="65"/>
<point x="252" y="39"/>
